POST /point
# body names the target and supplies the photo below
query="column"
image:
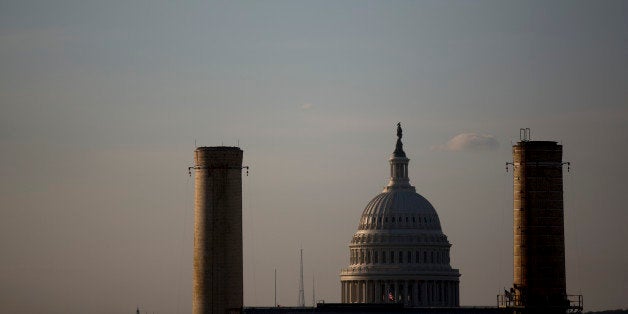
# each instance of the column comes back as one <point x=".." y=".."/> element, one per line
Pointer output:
<point x="431" y="291"/>
<point x="457" y="291"/>
<point x="374" y="288"/>
<point x="360" y="294"/>
<point x="428" y="287"/>
<point x="384" y="291"/>
<point x="441" y="292"/>
<point x="405" y="292"/>
<point x="342" y="289"/>
<point x="451" y="293"/>
<point x="437" y="298"/>
<point x="378" y="291"/>
<point x="350" y="295"/>
<point x="396" y="283"/>
<point x="446" y="293"/>
<point x="415" y="293"/>
<point x="423" y="293"/>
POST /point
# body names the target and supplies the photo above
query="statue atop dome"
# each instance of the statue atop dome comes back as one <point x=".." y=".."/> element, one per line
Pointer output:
<point x="399" y="147"/>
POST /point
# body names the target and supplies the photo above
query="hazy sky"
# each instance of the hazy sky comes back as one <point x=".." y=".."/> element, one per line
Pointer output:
<point x="101" y="103"/>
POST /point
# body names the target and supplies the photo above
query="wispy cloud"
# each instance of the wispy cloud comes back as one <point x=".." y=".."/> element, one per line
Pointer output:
<point x="306" y="106"/>
<point x="469" y="142"/>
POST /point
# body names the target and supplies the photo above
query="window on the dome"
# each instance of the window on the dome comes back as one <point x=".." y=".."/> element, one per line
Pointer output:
<point x="375" y="259"/>
<point x="400" y="257"/>
<point x="409" y="257"/>
<point x="392" y="257"/>
<point x="417" y="257"/>
<point x="384" y="257"/>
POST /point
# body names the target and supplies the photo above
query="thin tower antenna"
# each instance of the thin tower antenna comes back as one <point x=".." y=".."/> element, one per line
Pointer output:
<point x="313" y="293"/>
<point x="275" y="287"/>
<point x="301" y="290"/>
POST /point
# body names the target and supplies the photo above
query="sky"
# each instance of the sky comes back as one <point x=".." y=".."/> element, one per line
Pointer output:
<point x="103" y="102"/>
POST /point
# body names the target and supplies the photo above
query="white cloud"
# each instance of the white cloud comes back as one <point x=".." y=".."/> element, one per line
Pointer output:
<point x="469" y="142"/>
<point x="306" y="106"/>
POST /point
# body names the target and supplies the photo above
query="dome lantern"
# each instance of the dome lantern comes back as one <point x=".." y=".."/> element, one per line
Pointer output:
<point x="399" y="166"/>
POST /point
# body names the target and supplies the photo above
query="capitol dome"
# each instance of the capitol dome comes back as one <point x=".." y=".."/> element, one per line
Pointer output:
<point x="399" y="253"/>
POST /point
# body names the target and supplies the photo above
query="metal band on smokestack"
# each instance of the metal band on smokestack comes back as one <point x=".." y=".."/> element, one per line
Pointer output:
<point x="217" y="230"/>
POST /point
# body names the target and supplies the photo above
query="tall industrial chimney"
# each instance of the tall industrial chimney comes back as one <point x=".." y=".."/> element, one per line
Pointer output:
<point x="539" y="237"/>
<point x="217" y="230"/>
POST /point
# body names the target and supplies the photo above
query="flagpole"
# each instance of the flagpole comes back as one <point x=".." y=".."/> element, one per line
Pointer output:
<point x="275" y="287"/>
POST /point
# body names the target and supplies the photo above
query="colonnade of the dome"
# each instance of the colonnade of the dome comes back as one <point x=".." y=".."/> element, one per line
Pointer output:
<point x="368" y="256"/>
<point x="408" y="292"/>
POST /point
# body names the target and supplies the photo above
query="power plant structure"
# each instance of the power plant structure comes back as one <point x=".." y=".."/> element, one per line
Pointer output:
<point x="539" y="280"/>
<point x="218" y="267"/>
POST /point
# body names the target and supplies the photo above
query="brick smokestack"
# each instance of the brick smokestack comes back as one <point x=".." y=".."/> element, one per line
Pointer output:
<point x="539" y="237"/>
<point x="217" y="230"/>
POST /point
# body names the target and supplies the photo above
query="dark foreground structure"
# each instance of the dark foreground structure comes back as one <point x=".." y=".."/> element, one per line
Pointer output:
<point x="358" y="308"/>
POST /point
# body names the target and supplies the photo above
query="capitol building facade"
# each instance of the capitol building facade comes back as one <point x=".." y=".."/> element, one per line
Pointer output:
<point x="399" y="253"/>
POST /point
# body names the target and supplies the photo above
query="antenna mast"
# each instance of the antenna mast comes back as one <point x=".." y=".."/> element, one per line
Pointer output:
<point x="313" y="292"/>
<point x="301" y="290"/>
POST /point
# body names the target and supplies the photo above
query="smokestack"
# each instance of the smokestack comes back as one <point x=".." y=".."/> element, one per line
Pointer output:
<point x="217" y="230"/>
<point x="539" y="237"/>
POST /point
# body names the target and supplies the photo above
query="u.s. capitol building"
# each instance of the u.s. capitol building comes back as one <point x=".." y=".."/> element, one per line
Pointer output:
<point x="399" y="253"/>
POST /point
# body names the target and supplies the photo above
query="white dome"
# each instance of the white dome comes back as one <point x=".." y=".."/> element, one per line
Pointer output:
<point x="399" y="252"/>
<point x="397" y="209"/>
